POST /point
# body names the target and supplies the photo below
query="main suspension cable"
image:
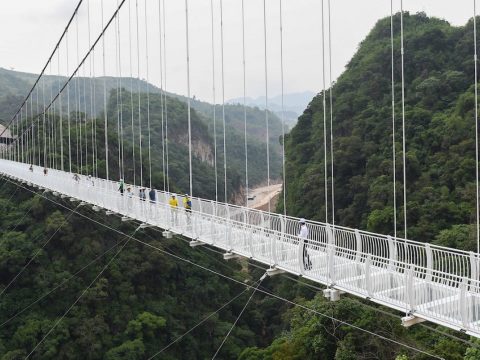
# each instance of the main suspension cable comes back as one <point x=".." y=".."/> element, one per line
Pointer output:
<point x="148" y="100"/>
<point x="214" y="102"/>
<point x="105" y="109"/>
<point x="140" y="152"/>
<point x="403" y="128"/>
<point x="223" y="104"/>
<point x="332" y="157"/>
<point x="189" y="115"/>
<point x="283" y="112"/>
<point x="394" y="156"/>
<point x="162" y="111"/>
<point x="476" y="125"/>
<point x="267" y="135"/>
<point x="131" y="90"/>
<point x="325" y="168"/>
<point x="165" y="91"/>
<point x="245" y="103"/>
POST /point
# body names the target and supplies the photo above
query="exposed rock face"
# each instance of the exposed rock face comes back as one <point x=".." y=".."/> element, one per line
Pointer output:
<point x="201" y="149"/>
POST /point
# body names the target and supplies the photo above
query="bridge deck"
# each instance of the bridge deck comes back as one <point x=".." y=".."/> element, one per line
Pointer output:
<point x="435" y="283"/>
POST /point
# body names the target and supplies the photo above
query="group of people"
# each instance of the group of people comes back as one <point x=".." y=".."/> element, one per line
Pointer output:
<point x="45" y="170"/>
<point x="187" y="206"/>
<point x="90" y="181"/>
<point x="142" y="192"/>
<point x="152" y="195"/>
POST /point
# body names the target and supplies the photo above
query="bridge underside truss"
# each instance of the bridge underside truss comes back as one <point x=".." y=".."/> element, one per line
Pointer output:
<point x="430" y="282"/>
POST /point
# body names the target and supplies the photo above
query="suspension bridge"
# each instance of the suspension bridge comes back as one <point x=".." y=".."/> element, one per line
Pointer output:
<point x="424" y="281"/>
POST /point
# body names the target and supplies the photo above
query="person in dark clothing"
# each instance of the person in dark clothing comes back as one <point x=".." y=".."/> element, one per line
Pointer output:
<point x="121" y="187"/>
<point x="303" y="235"/>
<point x="152" y="195"/>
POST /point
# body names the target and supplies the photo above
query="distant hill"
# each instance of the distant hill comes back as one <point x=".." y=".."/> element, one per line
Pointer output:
<point x="440" y="136"/>
<point x="15" y="85"/>
<point x="294" y="104"/>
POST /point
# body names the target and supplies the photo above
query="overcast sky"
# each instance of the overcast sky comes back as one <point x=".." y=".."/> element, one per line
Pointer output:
<point x="30" y="28"/>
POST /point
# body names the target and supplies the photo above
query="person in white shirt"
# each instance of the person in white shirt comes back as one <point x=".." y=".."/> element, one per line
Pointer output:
<point x="303" y="235"/>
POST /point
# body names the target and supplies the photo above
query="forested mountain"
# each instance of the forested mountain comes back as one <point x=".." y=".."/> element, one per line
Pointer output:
<point x="440" y="134"/>
<point x="86" y="96"/>
<point x="440" y="138"/>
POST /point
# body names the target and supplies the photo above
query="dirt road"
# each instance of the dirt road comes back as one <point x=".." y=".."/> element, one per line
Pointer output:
<point x="262" y="195"/>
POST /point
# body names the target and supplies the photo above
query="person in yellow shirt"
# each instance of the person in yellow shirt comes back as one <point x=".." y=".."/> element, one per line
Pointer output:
<point x="173" y="202"/>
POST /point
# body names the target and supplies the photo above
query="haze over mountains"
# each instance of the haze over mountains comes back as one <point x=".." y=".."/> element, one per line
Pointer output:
<point x="86" y="96"/>
<point x="293" y="104"/>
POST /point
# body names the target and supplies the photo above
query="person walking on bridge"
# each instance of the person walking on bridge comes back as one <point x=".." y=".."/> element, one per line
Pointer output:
<point x="153" y="196"/>
<point x="121" y="187"/>
<point x="187" y="205"/>
<point x="303" y="235"/>
<point x="173" y="202"/>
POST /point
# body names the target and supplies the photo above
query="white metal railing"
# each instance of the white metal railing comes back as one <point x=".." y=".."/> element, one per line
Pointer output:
<point x="437" y="283"/>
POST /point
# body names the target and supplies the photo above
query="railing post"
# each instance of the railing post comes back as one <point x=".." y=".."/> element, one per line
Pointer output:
<point x="464" y="303"/>
<point x="301" y="244"/>
<point x="368" y="275"/>
<point x="330" y="253"/>
<point x="245" y="230"/>
<point x="410" y="293"/>
<point x="473" y="266"/>
<point x="250" y="242"/>
<point x="196" y="215"/>
<point x="281" y="237"/>
<point x="273" y="239"/>
<point x="228" y="228"/>
<point x="213" y="220"/>
<point x="262" y="231"/>
<point x="429" y="255"/>
<point x="392" y="253"/>
<point x="358" y="253"/>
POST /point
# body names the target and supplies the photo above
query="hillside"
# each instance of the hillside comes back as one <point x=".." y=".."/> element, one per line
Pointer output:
<point x="15" y="85"/>
<point x="440" y="156"/>
<point x="440" y="135"/>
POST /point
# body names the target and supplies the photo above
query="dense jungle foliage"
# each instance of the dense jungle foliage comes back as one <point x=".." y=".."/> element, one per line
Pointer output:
<point x="127" y="114"/>
<point x="440" y="143"/>
<point x="440" y="136"/>
<point x="142" y="302"/>
<point x="85" y="97"/>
